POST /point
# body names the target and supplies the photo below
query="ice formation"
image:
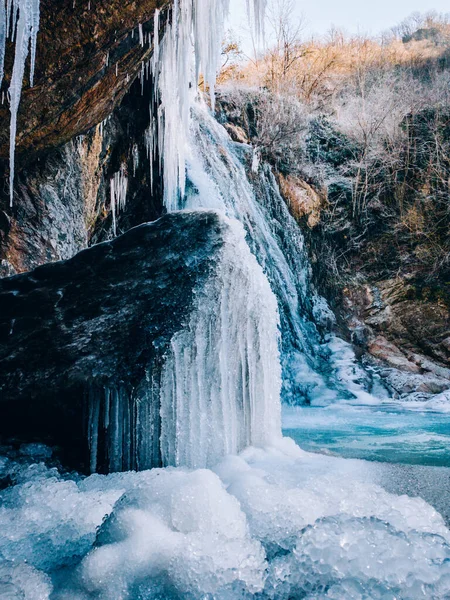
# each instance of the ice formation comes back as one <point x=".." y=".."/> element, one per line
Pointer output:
<point x="221" y="383"/>
<point x="218" y="175"/>
<point x="19" y="21"/>
<point x="219" y="390"/>
<point x="118" y="194"/>
<point x="195" y="32"/>
<point x="272" y="523"/>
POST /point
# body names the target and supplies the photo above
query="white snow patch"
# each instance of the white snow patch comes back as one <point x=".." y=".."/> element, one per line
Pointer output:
<point x="272" y="523"/>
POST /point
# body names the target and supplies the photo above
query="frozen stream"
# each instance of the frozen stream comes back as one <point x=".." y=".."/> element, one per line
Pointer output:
<point x="408" y="447"/>
<point x="384" y="433"/>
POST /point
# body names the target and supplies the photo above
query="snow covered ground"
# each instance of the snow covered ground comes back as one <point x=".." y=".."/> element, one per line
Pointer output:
<point x="271" y="523"/>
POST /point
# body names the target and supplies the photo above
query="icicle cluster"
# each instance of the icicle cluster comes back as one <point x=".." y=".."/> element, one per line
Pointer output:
<point x="125" y="423"/>
<point x="257" y="13"/>
<point x="19" y="22"/>
<point x="118" y="189"/>
<point x="191" y="45"/>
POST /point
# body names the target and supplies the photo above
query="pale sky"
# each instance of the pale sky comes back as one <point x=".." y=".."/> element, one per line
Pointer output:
<point x="354" y="16"/>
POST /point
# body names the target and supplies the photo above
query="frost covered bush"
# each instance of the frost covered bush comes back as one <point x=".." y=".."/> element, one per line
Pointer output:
<point x="365" y="123"/>
<point x="276" y="124"/>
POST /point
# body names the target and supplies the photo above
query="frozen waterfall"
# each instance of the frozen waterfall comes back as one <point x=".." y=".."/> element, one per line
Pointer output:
<point x="221" y="382"/>
<point x="218" y="176"/>
<point x="218" y="388"/>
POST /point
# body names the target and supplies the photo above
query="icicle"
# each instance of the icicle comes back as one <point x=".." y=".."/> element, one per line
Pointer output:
<point x="142" y="77"/>
<point x="113" y="205"/>
<point x="2" y="38"/>
<point x="93" y="426"/>
<point x="35" y="16"/>
<point x="19" y="20"/>
<point x="141" y="35"/>
<point x="151" y="147"/>
<point x="256" y="160"/>
<point x="155" y="57"/>
<point x="118" y="194"/>
<point x="257" y="11"/>
<point x="135" y="153"/>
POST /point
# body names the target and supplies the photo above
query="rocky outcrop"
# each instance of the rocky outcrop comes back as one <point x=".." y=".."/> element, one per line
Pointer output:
<point x="100" y="321"/>
<point x="84" y="74"/>
<point x="403" y="332"/>
<point x="303" y="200"/>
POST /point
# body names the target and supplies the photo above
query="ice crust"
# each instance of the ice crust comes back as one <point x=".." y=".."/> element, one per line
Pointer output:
<point x="270" y="523"/>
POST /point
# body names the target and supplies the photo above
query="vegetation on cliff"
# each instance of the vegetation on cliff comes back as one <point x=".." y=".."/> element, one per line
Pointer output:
<point x="358" y="131"/>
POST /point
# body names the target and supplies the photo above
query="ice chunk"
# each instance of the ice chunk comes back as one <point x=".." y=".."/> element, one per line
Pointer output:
<point x="182" y="532"/>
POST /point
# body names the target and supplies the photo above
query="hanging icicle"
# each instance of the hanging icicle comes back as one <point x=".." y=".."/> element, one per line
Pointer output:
<point x="19" y="22"/>
<point x="118" y="188"/>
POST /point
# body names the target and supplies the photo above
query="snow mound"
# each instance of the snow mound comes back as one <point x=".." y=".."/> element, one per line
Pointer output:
<point x="270" y="523"/>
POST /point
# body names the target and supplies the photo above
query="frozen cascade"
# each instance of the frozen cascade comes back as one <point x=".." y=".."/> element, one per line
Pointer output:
<point x="219" y="388"/>
<point x="194" y="33"/>
<point x="221" y="382"/>
<point x="20" y="25"/>
<point x="217" y="171"/>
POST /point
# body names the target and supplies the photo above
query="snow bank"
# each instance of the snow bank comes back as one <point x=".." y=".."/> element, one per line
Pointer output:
<point x="270" y="523"/>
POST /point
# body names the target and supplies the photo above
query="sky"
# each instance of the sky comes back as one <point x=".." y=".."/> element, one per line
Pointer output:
<point x="354" y="16"/>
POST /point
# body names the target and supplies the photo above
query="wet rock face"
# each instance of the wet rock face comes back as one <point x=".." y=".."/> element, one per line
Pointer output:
<point x="87" y="59"/>
<point x="95" y="321"/>
<point x="62" y="198"/>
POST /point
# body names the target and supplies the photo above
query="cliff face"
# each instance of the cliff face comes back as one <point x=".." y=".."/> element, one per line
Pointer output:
<point x="385" y="275"/>
<point x="86" y="68"/>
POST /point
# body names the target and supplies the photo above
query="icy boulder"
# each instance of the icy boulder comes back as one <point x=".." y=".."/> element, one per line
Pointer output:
<point x="158" y="348"/>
